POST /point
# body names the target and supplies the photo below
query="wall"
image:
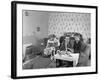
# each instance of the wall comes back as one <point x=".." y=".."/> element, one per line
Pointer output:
<point x="32" y="20"/>
<point x="70" y="22"/>
<point x="54" y="23"/>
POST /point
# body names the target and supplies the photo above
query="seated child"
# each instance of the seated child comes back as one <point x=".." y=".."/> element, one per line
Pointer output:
<point x="52" y="43"/>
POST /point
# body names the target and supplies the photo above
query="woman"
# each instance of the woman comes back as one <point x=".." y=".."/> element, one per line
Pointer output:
<point x="77" y="44"/>
<point x="63" y="49"/>
<point x="71" y="44"/>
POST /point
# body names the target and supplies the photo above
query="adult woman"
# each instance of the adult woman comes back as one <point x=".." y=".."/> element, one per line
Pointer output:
<point x="71" y="44"/>
<point x="63" y="50"/>
<point x="77" y="43"/>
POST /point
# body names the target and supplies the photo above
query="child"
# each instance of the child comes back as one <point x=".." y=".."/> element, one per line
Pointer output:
<point x="52" y="43"/>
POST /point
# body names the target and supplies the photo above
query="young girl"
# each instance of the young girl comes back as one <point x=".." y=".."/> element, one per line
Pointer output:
<point x="52" y="43"/>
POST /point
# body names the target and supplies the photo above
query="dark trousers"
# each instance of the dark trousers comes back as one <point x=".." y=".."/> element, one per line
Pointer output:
<point x="59" y="63"/>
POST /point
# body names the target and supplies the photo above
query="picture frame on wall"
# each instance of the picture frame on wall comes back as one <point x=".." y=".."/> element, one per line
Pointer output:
<point x="34" y="24"/>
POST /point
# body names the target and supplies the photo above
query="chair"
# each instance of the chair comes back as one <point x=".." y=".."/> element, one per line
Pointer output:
<point x="84" y="55"/>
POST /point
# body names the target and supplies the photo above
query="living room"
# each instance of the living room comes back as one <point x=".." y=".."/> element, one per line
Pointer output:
<point x="39" y="25"/>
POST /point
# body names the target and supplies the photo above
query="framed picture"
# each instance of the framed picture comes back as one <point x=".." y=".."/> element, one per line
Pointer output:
<point x="50" y="39"/>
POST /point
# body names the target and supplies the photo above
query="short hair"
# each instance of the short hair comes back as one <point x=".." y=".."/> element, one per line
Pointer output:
<point x="80" y="36"/>
<point x="76" y="34"/>
<point x="52" y="36"/>
<point x="72" y="38"/>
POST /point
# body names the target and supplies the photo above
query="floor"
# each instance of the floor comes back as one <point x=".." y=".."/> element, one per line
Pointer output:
<point x="42" y="62"/>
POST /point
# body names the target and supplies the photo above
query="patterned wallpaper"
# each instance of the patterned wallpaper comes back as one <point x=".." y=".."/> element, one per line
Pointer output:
<point x="70" y="22"/>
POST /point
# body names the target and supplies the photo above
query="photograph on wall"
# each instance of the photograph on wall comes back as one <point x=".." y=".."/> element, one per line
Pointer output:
<point x="54" y="39"/>
<point x="58" y="41"/>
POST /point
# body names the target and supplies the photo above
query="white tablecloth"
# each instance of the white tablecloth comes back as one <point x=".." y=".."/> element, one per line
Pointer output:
<point x="72" y="57"/>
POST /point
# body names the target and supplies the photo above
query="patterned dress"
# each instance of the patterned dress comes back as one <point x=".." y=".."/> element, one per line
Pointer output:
<point x="50" y="48"/>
